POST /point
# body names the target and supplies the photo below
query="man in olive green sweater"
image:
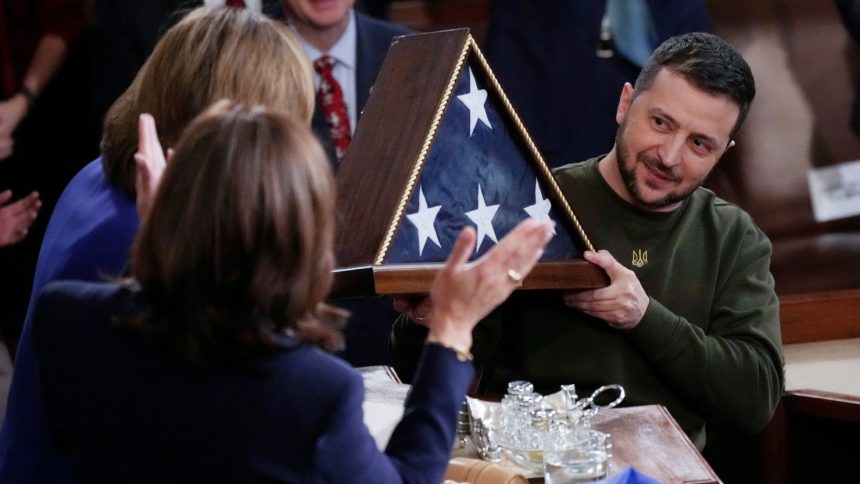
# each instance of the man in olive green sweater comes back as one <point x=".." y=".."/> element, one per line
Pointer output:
<point x="690" y="319"/>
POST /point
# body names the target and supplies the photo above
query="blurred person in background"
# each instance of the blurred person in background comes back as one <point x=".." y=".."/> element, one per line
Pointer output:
<point x="562" y="63"/>
<point x="46" y="131"/>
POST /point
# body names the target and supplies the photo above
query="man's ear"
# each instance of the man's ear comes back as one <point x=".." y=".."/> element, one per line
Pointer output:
<point x="624" y="102"/>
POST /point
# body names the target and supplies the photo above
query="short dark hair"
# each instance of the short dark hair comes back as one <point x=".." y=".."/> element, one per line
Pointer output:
<point x="237" y="249"/>
<point x="709" y="63"/>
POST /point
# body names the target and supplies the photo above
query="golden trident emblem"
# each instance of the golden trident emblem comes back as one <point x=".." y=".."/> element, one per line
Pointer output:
<point x="640" y="258"/>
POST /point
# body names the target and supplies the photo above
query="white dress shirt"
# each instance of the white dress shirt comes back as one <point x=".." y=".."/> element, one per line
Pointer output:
<point x="255" y="5"/>
<point x="344" y="71"/>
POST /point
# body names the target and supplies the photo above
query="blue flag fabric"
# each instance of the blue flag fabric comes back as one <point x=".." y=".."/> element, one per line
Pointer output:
<point x="628" y="476"/>
<point x="477" y="173"/>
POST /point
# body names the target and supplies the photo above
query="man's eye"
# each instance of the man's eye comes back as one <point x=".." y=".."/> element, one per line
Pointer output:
<point x="701" y="145"/>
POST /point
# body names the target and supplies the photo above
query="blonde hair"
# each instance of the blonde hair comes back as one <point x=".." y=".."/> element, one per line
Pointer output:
<point x="211" y="54"/>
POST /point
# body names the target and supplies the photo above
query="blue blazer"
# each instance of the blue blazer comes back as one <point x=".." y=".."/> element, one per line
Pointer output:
<point x="88" y="238"/>
<point x="124" y="413"/>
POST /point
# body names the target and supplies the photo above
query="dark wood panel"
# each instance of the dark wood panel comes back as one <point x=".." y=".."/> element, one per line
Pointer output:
<point x="429" y="15"/>
<point x="810" y="429"/>
<point x="820" y="316"/>
<point x="823" y="404"/>
<point x="821" y="431"/>
<point x="649" y="439"/>
<point x="771" y="450"/>
<point x="389" y="137"/>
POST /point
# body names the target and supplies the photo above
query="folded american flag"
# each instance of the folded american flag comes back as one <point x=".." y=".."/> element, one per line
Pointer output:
<point x="477" y="173"/>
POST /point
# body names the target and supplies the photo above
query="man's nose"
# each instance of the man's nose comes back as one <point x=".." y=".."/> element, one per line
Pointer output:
<point x="672" y="150"/>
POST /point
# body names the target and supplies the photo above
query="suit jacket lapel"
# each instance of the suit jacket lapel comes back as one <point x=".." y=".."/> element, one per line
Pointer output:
<point x="321" y="128"/>
<point x="368" y="59"/>
<point x="273" y="9"/>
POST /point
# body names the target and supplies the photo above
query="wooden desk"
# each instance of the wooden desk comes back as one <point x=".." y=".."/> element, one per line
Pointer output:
<point x="644" y="437"/>
<point x="818" y="417"/>
<point x="826" y="366"/>
<point x="648" y="439"/>
<point x="821" y="404"/>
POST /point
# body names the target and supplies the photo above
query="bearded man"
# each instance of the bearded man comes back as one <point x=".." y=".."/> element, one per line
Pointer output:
<point x="690" y="319"/>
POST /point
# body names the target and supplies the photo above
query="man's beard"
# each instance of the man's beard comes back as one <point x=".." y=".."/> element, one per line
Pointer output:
<point x="627" y="168"/>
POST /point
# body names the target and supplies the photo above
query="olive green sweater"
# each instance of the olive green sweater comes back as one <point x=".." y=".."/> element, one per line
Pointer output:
<point x="708" y="346"/>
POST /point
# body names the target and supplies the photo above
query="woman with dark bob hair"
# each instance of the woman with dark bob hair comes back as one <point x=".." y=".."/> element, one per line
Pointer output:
<point x="208" y="365"/>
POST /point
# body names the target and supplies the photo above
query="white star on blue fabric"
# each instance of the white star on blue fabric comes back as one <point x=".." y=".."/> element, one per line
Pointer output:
<point x="475" y="100"/>
<point x="540" y="209"/>
<point x="423" y="220"/>
<point x="483" y="219"/>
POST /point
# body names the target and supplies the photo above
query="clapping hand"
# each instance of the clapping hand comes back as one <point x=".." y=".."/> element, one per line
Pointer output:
<point x="463" y="293"/>
<point x="12" y="111"/>
<point x="150" y="164"/>
<point x="16" y="218"/>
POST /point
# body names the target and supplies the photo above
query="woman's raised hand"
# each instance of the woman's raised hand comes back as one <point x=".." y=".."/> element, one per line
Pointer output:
<point x="464" y="293"/>
<point x="150" y="164"/>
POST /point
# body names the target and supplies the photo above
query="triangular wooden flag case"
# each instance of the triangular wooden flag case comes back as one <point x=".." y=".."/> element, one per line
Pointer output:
<point x="439" y="147"/>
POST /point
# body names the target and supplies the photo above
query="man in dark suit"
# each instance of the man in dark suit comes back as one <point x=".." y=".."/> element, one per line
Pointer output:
<point x="356" y="42"/>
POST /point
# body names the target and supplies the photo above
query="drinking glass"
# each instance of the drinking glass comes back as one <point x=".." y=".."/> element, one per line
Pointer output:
<point x="578" y="456"/>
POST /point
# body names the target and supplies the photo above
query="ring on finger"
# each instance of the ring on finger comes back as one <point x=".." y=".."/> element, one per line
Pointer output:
<point x="515" y="276"/>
